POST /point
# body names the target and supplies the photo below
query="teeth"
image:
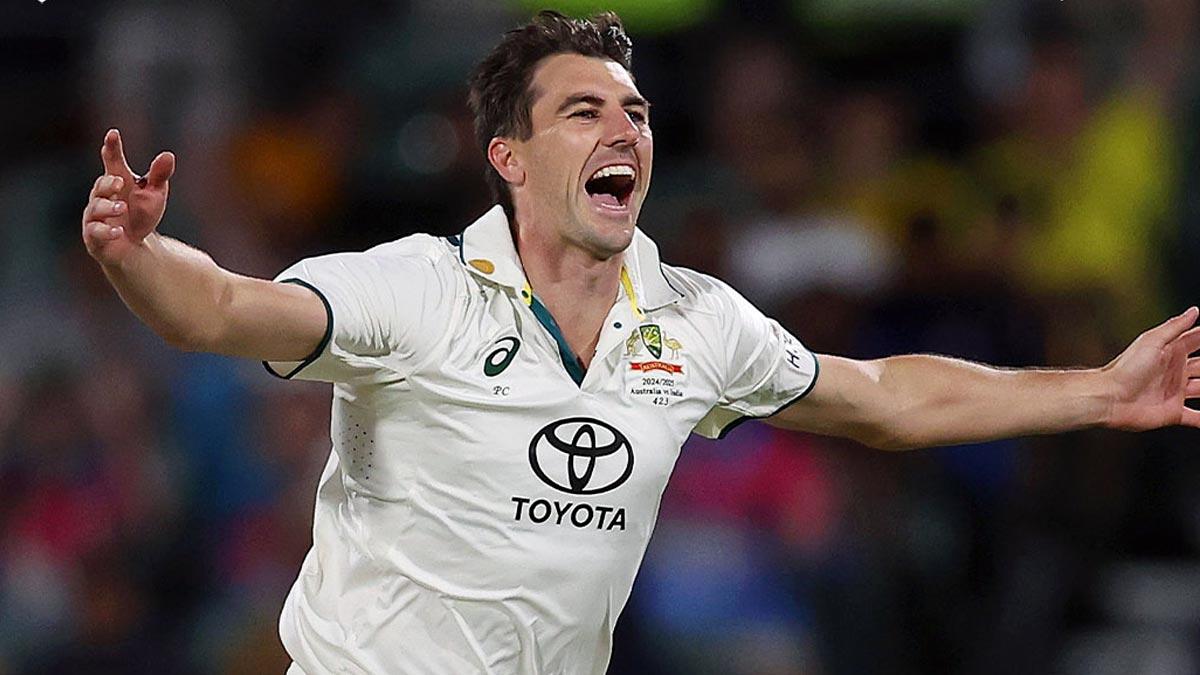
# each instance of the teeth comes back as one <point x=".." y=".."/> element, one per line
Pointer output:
<point x="614" y="170"/>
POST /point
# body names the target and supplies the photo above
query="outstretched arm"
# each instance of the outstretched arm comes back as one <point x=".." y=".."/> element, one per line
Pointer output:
<point x="905" y="402"/>
<point x="178" y="291"/>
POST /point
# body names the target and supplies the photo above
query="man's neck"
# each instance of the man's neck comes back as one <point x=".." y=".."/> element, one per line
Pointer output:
<point x="575" y="286"/>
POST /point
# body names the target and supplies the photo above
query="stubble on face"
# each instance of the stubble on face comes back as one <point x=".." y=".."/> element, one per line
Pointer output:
<point x="587" y="115"/>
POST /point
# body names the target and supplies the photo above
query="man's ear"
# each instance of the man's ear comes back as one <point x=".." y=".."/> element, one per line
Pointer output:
<point x="503" y="158"/>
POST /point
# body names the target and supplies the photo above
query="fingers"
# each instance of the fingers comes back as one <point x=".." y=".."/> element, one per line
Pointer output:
<point x="1192" y="369"/>
<point x="161" y="170"/>
<point x="97" y="232"/>
<point x="1172" y="328"/>
<point x="112" y="153"/>
<point x="1190" y="340"/>
<point x="99" y="236"/>
<point x="1192" y="389"/>
<point x="107" y="186"/>
<point x="1190" y="418"/>
<point x="101" y="208"/>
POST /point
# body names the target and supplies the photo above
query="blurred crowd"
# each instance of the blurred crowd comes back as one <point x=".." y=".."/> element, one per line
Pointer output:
<point x="1010" y="181"/>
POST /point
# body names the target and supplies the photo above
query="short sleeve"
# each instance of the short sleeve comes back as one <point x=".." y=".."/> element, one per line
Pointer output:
<point x="767" y="368"/>
<point x="384" y="314"/>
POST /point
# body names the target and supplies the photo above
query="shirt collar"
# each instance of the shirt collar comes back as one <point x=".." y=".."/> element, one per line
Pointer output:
<point x="487" y="250"/>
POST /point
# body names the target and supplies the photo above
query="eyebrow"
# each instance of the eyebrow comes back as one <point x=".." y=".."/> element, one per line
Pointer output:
<point x="597" y="100"/>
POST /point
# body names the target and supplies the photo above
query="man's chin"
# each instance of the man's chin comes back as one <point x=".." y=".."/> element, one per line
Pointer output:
<point x="606" y="238"/>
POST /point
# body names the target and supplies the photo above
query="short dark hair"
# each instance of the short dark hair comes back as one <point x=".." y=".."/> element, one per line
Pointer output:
<point x="501" y="93"/>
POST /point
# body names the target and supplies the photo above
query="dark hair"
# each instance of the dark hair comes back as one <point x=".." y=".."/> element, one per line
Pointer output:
<point x="501" y="92"/>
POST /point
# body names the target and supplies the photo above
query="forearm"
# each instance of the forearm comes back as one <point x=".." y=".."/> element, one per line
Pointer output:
<point x="174" y="289"/>
<point x="934" y="400"/>
<point x="194" y="304"/>
<point x="905" y="402"/>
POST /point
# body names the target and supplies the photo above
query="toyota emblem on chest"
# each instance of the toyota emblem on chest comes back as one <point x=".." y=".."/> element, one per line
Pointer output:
<point x="581" y="456"/>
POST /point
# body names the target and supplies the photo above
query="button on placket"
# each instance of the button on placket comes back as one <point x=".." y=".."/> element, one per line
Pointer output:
<point x="612" y="337"/>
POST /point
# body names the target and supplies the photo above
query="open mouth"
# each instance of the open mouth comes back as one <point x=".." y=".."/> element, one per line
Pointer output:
<point x="611" y="186"/>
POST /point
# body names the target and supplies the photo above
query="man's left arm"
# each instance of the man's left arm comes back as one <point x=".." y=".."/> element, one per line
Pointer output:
<point x="905" y="402"/>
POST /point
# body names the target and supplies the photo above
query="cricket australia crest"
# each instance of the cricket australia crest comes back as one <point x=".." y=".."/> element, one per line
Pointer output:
<point x="658" y="375"/>
<point x="651" y="337"/>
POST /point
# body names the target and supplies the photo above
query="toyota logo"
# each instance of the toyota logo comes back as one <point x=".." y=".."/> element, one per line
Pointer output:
<point x="581" y="455"/>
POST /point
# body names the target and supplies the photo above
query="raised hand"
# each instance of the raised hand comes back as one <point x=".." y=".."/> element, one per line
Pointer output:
<point x="1156" y="375"/>
<point x="124" y="208"/>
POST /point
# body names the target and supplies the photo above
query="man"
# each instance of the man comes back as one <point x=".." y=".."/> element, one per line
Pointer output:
<point x="508" y="403"/>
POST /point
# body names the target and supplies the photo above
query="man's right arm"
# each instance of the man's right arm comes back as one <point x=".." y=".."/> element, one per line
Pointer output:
<point x="178" y="291"/>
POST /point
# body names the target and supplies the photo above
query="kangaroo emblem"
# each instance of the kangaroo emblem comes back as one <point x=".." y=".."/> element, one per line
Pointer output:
<point x="633" y="345"/>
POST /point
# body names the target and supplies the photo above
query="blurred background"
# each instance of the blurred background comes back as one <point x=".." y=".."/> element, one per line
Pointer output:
<point x="1012" y="181"/>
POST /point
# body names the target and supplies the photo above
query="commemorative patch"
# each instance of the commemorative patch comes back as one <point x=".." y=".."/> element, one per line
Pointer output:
<point x="656" y="369"/>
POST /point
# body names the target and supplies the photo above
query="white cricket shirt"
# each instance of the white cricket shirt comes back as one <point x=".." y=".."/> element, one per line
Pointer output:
<point x="487" y="503"/>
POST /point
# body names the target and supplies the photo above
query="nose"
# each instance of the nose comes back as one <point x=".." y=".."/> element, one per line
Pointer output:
<point x="621" y="131"/>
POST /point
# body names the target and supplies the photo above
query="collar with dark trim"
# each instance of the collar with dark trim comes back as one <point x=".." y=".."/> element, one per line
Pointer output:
<point x="486" y="248"/>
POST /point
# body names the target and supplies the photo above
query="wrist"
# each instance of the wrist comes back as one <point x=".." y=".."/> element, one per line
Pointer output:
<point x="133" y="257"/>
<point x="1100" y="394"/>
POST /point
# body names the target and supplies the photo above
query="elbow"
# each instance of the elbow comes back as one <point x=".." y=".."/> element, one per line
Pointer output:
<point x="899" y="444"/>
<point x="885" y="442"/>
<point x="890" y="438"/>
<point x="202" y="338"/>
<point x="207" y="334"/>
<point x="877" y="415"/>
<point x="905" y="423"/>
<point x="184" y="341"/>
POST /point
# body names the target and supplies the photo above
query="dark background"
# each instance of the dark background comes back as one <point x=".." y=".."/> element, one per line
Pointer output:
<point x="1004" y="180"/>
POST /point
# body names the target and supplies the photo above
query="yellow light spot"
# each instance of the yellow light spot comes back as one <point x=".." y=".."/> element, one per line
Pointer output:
<point x="482" y="265"/>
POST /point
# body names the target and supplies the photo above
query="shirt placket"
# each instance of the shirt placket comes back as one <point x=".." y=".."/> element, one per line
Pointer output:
<point x="624" y="317"/>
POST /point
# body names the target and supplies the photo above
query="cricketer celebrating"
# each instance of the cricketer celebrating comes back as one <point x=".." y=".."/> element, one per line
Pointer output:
<point x="508" y="403"/>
